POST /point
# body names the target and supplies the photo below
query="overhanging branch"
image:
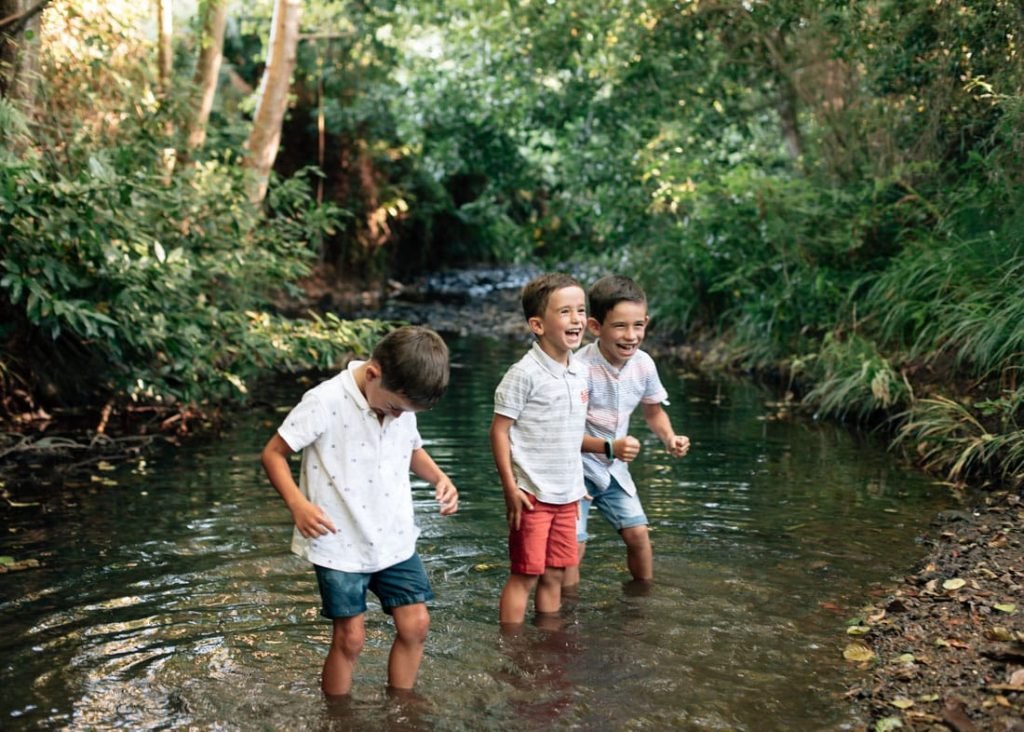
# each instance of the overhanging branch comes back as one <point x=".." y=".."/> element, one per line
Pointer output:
<point x="18" y="20"/>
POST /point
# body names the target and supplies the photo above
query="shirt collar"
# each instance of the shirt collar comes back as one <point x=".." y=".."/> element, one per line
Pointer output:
<point x="551" y="365"/>
<point x="605" y="362"/>
<point x="352" y="388"/>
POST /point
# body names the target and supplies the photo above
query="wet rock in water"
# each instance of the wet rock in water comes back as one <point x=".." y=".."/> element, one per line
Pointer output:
<point x="483" y="301"/>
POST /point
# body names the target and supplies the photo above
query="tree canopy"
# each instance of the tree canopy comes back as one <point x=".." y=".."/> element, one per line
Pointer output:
<point x="833" y="186"/>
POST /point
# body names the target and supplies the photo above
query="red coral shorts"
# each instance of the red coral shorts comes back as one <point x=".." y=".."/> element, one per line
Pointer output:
<point x="546" y="538"/>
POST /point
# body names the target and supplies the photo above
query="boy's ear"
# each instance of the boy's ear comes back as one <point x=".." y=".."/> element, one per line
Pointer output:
<point x="593" y="326"/>
<point x="536" y="326"/>
<point x="372" y="370"/>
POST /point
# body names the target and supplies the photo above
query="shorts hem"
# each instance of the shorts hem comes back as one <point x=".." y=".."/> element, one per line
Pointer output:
<point x="523" y="571"/>
<point x="633" y="522"/>
<point x="342" y="613"/>
<point x="417" y="599"/>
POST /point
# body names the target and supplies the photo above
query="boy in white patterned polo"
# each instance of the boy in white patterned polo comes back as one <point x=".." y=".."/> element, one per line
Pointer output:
<point x="621" y="376"/>
<point x="540" y="409"/>
<point x="353" y="512"/>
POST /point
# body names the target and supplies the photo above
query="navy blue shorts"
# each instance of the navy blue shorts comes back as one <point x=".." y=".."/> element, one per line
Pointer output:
<point x="344" y="593"/>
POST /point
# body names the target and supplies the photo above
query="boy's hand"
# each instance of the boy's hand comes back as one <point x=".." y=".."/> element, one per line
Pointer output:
<point x="626" y="448"/>
<point x="678" y="446"/>
<point x="515" y="501"/>
<point x="447" y="496"/>
<point x="311" y="520"/>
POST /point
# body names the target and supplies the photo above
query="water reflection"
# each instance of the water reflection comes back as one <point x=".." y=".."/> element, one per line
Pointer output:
<point x="167" y="597"/>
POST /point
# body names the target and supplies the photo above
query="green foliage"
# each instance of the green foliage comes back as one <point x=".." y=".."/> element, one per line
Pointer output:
<point x="950" y="437"/>
<point x="142" y="287"/>
<point x="851" y="379"/>
<point x="319" y="342"/>
<point x="766" y="257"/>
<point x="962" y="298"/>
<point x="14" y="131"/>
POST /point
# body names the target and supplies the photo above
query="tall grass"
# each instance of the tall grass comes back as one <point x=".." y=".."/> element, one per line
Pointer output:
<point x="851" y="379"/>
<point x="951" y="437"/>
<point x="963" y="299"/>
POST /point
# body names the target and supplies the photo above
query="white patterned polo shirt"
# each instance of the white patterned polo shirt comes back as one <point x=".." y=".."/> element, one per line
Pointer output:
<point x="357" y="470"/>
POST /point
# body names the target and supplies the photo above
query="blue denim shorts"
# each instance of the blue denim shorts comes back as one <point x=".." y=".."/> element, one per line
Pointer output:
<point x="620" y="509"/>
<point x="344" y="593"/>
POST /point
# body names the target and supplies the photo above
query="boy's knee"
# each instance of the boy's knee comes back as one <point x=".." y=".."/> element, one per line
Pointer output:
<point x="413" y="624"/>
<point x="552" y="576"/>
<point x="349" y="641"/>
<point x="637" y="537"/>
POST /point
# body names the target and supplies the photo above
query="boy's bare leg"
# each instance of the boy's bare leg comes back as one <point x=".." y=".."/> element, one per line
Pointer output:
<point x="347" y="640"/>
<point x="411" y="625"/>
<point x="514" y="597"/>
<point x="639" y="555"/>
<point x="549" y="590"/>
<point x="572" y="574"/>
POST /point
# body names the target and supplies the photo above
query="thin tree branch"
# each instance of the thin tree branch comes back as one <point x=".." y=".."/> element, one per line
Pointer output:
<point x="19" y="20"/>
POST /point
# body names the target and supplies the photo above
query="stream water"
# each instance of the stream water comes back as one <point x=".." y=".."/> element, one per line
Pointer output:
<point x="167" y="597"/>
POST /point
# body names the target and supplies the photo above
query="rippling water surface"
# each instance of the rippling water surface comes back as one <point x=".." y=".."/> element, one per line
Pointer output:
<point x="168" y="599"/>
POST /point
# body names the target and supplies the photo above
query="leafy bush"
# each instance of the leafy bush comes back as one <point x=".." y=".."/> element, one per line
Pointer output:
<point x="766" y="259"/>
<point x="119" y="282"/>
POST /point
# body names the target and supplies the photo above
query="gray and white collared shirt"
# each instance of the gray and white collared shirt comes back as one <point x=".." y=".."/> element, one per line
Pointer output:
<point x="548" y="402"/>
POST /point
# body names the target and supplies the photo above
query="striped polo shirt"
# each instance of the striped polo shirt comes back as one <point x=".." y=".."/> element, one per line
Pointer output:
<point x="548" y="402"/>
<point x="614" y="394"/>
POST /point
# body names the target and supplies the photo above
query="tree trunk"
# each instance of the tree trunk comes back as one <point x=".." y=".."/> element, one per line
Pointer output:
<point x="165" y="51"/>
<point x="788" y="99"/>
<point x="273" y="95"/>
<point x="211" y="52"/>
<point x="19" y="53"/>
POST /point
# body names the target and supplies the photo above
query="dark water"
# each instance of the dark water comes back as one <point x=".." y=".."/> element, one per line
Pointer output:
<point x="167" y="597"/>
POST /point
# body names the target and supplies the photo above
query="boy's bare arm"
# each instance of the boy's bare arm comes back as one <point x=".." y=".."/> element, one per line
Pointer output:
<point x="310" y="520"/>
<point x="658" y="420"/>
<point x="624" y="448"/>
<point x="444" y="490"/>
<point x="501" y="446"/>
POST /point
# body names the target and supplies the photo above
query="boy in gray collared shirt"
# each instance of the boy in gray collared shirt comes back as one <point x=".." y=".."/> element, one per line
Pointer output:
<point x="540" y="409"/>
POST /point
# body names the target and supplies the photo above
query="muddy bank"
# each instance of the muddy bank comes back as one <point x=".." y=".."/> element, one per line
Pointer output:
<point x="944" y="648"/>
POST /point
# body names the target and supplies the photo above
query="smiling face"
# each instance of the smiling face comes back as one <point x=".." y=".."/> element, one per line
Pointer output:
<point x="559" y="329"/>
<point x="620" y="335"/>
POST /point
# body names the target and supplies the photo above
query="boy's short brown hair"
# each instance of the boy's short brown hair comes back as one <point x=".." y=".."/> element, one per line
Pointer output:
<point x="609" y="291"/>
<point x="538" y="291"/>
<point x="414" y="363"/>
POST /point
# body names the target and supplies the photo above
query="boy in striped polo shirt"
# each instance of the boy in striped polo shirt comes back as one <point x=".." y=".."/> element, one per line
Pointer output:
<point x="620" y="376"/>
<point x="540" y="409"/>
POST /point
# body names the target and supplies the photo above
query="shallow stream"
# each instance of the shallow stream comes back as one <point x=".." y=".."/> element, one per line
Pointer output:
<point x="167" y="598"/>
